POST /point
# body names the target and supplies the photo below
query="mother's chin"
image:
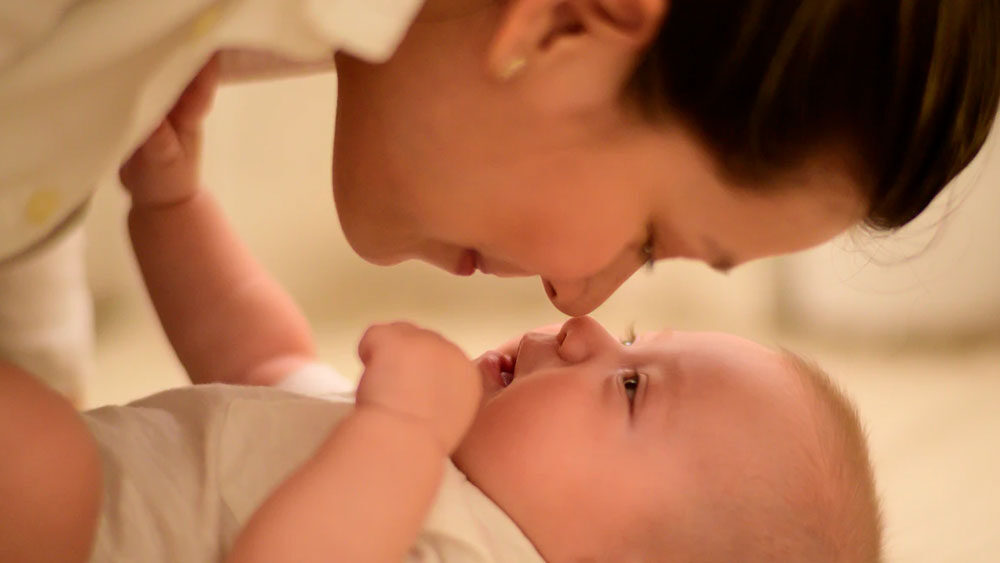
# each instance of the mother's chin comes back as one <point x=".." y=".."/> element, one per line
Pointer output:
<point x="375" y="232"/>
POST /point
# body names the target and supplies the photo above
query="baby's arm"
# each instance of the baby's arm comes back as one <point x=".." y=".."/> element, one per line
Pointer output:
<point x="226" y="318"/>
<point x="365" y="493"/>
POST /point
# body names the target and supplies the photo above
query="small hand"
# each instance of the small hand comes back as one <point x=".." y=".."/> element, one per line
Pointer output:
<point x="418" y="374"/>
<point x="509" y="348"/>
<point x="165" y="169"/>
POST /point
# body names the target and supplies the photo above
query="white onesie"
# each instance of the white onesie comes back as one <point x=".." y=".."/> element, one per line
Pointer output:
<point x="185" y="469"/>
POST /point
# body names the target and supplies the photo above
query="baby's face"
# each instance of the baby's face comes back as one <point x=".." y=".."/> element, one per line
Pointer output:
<point x="589" y="442"/>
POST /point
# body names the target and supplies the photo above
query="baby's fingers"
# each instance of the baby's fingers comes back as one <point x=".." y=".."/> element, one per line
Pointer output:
<point x="160" y="150"/>
<point x="194" y="103"/>
<point x="386" y="337"/>
<point x="407" y="346"/>
<point x="164" y="170"/>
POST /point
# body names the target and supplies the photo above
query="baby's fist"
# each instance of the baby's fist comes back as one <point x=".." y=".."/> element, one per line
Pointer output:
<point x="165" y="169"/>
<point x="419" y="374"/>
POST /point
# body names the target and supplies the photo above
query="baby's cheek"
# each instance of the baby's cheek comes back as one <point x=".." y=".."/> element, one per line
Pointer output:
<point x="502" y="431"/>
<point x="540" y="417"/>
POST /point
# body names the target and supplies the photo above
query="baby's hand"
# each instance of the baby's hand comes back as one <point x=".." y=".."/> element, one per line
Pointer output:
<point x="165" y="169"/>
<point x="420" y="375"/>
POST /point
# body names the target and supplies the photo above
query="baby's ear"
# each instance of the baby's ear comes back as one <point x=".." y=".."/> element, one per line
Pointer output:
<point x="578" y="51"/>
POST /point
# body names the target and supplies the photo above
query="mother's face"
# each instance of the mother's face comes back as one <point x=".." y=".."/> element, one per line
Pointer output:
<point x="436" y="161"/>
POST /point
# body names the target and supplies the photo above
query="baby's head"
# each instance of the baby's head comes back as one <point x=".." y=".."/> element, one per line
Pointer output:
<point x="687" y="446"/>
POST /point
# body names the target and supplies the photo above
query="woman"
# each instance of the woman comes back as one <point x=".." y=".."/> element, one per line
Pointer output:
<point x="728" y="132"/>
<point x="574" y="140"/>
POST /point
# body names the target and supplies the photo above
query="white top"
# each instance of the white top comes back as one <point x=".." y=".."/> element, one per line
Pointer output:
<point x="82" y="83"/>
<point x="185" y="470"/>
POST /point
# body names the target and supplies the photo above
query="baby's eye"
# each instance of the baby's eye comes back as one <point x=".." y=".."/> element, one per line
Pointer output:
<point x="631" y="384"/>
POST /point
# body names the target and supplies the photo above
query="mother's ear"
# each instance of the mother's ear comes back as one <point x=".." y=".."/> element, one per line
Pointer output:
<point x="583" y="49"/>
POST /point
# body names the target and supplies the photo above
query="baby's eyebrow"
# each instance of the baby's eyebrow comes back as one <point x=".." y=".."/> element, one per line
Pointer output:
<point x="645" y="336"/>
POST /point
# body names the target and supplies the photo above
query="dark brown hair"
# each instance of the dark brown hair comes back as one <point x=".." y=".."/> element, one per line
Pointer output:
<point x="910" y="86"/>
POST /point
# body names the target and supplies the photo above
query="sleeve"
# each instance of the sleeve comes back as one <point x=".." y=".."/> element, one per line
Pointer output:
<point x="369" y="29"/>
<point x="23" y="23"/>
<point x="83" y="82"/>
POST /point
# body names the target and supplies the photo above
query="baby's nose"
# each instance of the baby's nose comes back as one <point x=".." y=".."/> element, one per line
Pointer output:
<point x="581" y="338"/>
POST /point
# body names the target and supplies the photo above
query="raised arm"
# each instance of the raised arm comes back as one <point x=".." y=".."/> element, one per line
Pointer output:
<point x="365" y="494"/>
<point x="226" y="318"/>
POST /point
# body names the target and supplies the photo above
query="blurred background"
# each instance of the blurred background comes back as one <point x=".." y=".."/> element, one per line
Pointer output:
<point x="910" y="324"/>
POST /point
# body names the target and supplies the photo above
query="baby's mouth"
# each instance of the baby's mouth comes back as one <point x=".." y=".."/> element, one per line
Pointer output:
<point x="498" y="368"/>
<point x="507" y="363"/>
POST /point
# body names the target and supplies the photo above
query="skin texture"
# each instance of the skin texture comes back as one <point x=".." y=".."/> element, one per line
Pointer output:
<point x="712" y="413"/>
<point x="548" y="173"/>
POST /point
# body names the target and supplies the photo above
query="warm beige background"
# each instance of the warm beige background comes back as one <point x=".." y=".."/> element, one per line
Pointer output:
<point x="914" y="341"/>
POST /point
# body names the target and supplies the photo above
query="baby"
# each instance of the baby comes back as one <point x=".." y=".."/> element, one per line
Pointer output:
<point x="563" y="446"/>
<point x="574" y="447"/>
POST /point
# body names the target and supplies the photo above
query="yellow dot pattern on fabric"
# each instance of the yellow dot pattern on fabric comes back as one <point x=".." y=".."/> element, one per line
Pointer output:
<point x="41" y="206"/>
<point x="206" y="21"/>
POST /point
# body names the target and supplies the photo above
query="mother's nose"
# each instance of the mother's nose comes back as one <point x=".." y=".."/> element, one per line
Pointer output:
<point x="577" y="297"/>
<point x="582" y="338"/>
